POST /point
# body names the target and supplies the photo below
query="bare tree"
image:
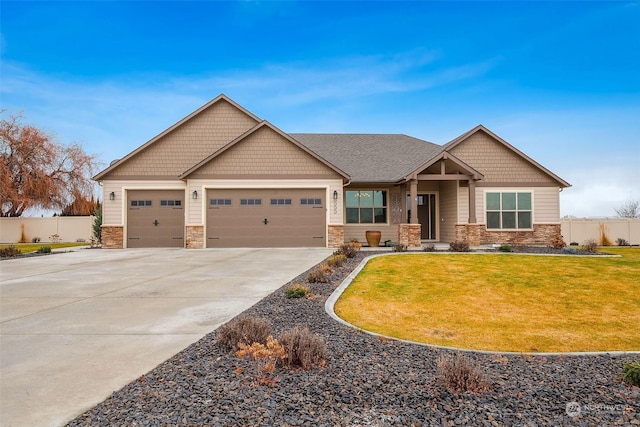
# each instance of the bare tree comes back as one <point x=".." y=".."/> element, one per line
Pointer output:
<point x="37" y="172"/>
<point x="630" y="209"/>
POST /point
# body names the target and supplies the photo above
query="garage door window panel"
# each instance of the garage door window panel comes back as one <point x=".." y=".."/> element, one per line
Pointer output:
<point x="250" y="202"/>
<point x="280" y="202"/>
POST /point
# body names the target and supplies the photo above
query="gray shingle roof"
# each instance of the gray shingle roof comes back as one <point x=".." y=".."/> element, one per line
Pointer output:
<point x="371" y="157"/>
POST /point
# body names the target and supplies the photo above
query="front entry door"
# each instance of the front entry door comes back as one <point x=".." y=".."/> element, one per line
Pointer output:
<point x="427" y="216"/>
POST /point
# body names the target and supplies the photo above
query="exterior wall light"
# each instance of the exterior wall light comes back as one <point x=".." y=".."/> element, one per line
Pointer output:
<point x="195" y="194"/>
<point x="335" y="195"/>
<point x="112" y="196"/>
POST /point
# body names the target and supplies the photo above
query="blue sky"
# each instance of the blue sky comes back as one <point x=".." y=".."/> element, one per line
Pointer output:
<point x="558" y="80"/>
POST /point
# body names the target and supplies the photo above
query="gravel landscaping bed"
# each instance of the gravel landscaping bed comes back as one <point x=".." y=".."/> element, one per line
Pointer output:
<point x="367" y="381"/>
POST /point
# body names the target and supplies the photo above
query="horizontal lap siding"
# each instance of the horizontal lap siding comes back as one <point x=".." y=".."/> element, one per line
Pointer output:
<point x="358" y="232"/>
<point x="112" y="209"/>
<point x="546" y="205"/>
<point x="448" y="210"/>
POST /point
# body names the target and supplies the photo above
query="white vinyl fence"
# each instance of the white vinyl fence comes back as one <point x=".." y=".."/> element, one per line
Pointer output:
<point x="66" y="228"/>
<point x="605" y="231"/>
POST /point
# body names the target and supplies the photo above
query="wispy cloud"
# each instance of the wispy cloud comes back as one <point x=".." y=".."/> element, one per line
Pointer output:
<point x="301" y="83"/>
<point x="124" y="112"/>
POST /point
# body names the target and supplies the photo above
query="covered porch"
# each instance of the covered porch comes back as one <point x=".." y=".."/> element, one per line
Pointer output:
<point x="441" y="196"/>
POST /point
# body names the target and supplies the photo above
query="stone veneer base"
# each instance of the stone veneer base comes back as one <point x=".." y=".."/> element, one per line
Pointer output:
<point x="112" y="236"/>
<point x="477" y="234"/>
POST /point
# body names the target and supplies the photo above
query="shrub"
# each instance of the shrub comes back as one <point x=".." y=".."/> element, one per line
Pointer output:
<point x="297" y="291"/>
<point x="349" y="250"/>
<point x="97" y="226"/>
<point x="23" y="235"/>
<point x="459" y="246"/>
<point x="574" y="244"/>
<point x="604" y="239"/>
<point x="303" y="349"/>
<point x="622" y="242"/>
<point x="266" y="358"/>
<point x="243" y="330"/>
<point x="10" y="252"/>
<point x="590" y="246"/>
<point x="459" y="373"/>
<point x="400" y="247"/>
<point x="44" y="249"/>
<point x="320" y="274"/>
<point x="336" y="260"/>
<point x="429" y="248"/>
<point x="35" y="240"/>
<point x="55" y="238"/>
<point x="505" y="248"/>
<point x="631" y="373"/>
<point x="557" y="242"/>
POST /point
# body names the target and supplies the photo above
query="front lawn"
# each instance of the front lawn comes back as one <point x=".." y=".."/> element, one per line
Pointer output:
<point x="501" y="302"/>
<point x="26" y="248"/>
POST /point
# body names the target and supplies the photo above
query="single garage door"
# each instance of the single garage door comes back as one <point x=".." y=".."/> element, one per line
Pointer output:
<point x="155" y="218"/>
<point x="266" y="218"/>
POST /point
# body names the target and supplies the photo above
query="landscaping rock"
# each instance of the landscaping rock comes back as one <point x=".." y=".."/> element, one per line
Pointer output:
<point x="367" y="381"/>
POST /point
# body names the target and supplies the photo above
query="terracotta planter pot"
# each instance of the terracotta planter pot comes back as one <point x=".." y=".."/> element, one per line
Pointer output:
<point x="373" y="238"/>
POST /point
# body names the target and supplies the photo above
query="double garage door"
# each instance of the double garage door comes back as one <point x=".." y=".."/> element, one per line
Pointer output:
<point x="266" y="218"/>
<point x="235" y="218"/>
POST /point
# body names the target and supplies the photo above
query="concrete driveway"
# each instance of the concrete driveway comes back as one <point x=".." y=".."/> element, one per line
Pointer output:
<point x="75" y="327"/>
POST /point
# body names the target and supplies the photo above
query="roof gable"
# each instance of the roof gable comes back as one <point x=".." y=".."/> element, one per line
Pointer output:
<point x="186" y="142"/>
<point x="452" y="164"/>
<point x="498" y="160"/>
<point x="264" y="150"/>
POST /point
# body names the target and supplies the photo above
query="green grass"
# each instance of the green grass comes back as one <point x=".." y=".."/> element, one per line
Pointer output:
<point x="501" y="302"/>
<point x="26" y="248"/>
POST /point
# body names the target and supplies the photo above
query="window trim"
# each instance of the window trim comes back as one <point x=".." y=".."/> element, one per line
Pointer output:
<point x="514" y="190"/>
<point x="386" y="207"/>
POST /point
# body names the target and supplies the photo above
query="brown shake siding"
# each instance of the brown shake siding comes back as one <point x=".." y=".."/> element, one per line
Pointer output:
<point x="497" y="163"/>
<point x="188" y="144"/>
<point x="264" y="152"/>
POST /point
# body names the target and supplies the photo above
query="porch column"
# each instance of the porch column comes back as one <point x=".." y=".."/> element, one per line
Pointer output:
<point x="413" y="191"/>
<point x="472" y="202"/>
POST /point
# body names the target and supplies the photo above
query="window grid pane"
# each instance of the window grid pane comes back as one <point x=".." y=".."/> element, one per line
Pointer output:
<point x="509" y="210"/>
<point x="508" y="201"/>
<point x="363" y="206"/>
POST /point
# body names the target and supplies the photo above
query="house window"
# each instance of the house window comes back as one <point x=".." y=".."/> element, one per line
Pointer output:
<point x="170" y="202"/>
<point x="250" y="202"/>
<point x="366" y="207"/>
<point x="509" y="210"/>
<point x="220" y="202"/>
<point x="141" y="203"/>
